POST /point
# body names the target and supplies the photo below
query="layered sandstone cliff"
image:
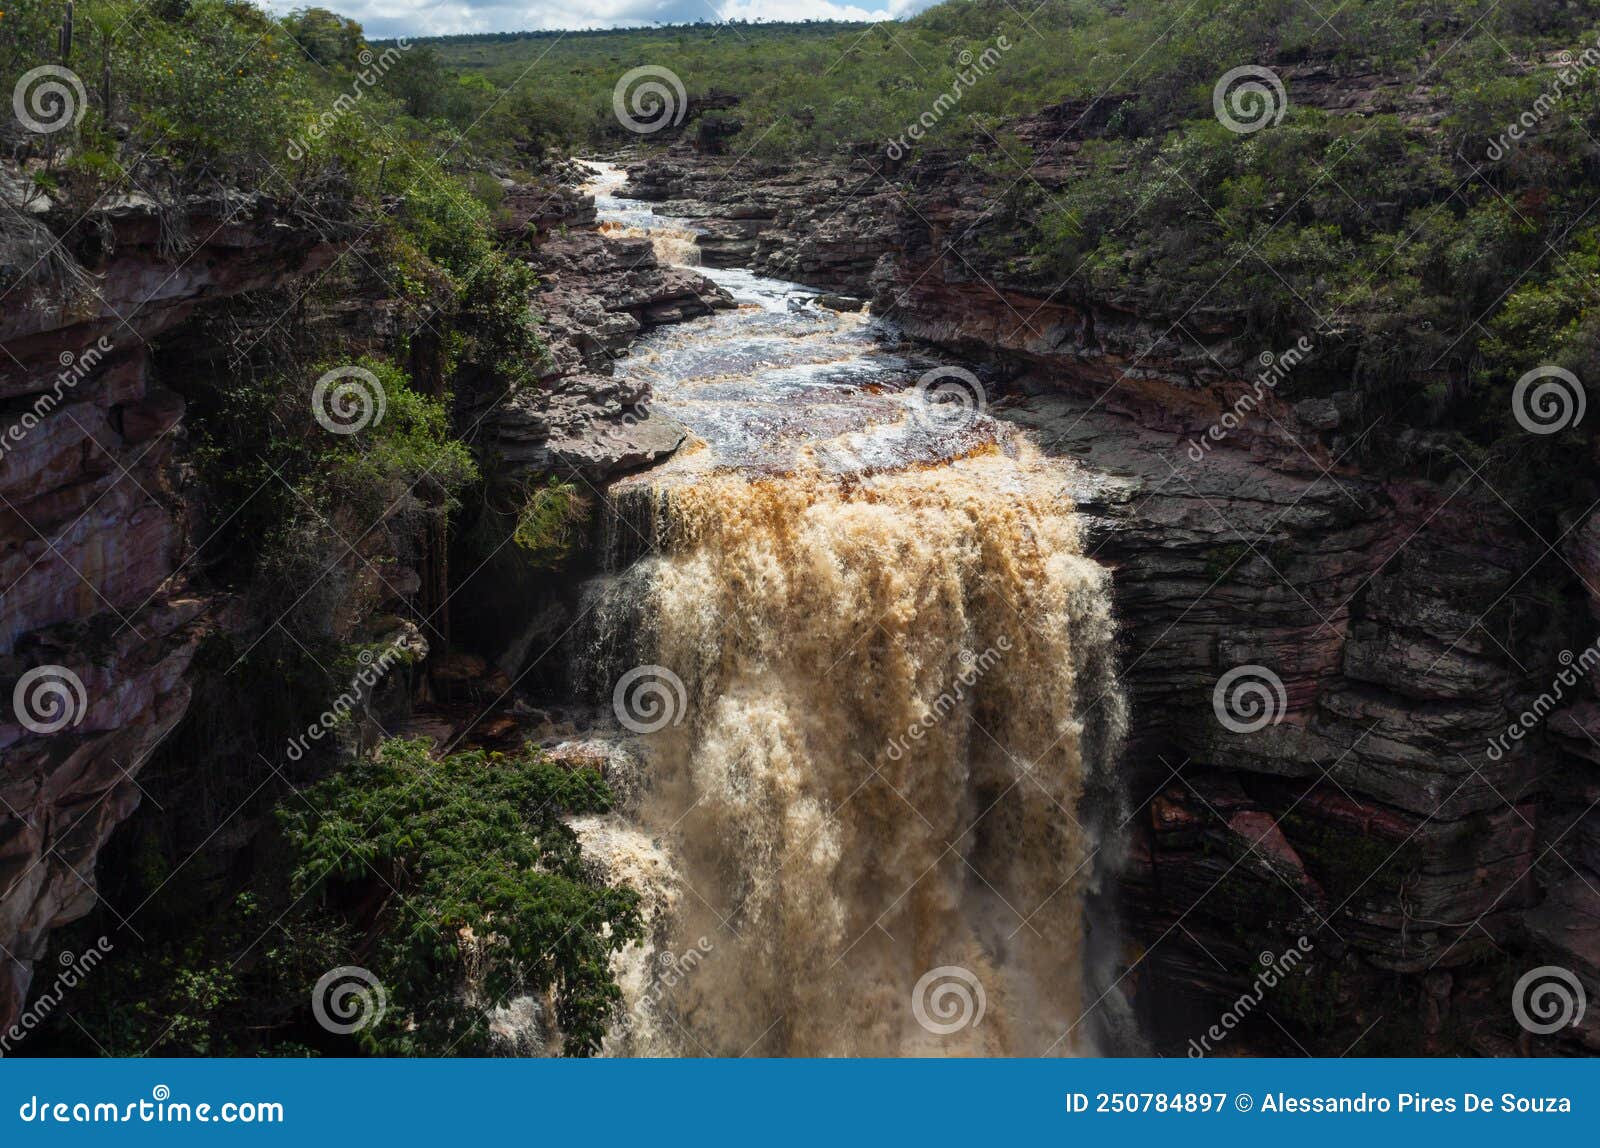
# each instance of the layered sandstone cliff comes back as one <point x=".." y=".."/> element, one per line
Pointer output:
<point x="98" y="527"/>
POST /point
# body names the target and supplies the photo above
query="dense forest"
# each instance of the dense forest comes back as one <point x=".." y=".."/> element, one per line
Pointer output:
<point x="1414" y="230"/>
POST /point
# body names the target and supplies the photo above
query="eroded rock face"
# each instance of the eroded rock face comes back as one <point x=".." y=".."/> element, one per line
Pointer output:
<point x="1366" y="814"/>
<point x="825" y="225"/>
<point x="588" y="425"/>
<point x="94" y="540"/>
<point x="598" y="292"/>
<point x="1376" y="815"/>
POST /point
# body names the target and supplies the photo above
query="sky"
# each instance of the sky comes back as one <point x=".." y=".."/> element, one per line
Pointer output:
<point x="388" y="18"/>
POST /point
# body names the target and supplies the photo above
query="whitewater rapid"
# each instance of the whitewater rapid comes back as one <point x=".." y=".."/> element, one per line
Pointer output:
<point x="871" y="676"/>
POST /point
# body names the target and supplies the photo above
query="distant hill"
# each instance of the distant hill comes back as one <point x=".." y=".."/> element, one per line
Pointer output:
<point x="479" y="50"/>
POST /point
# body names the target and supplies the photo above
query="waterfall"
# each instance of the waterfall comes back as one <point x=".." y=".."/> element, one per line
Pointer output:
<point x="895" y="689"/>
<point x="868" y="676"/>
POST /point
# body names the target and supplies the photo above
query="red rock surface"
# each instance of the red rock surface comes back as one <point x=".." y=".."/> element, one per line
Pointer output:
<point x="93" y="542"/>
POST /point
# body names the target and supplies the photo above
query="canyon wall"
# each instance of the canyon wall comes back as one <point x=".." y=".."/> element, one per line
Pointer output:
<point x="1409" y="610"/>
<point x="100" y="522"/>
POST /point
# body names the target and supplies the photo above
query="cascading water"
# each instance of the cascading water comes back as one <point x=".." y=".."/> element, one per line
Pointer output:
<point x="872" y="674"/>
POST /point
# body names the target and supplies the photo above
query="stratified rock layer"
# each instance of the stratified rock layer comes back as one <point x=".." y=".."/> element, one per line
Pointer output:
<point x="94" y="539"/>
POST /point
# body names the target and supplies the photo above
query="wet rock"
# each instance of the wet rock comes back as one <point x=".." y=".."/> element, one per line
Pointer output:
<point x="1381" y="599"/>
<point x="825" y="225"/>
<point x="598" y="292"/>
<point x="589" y="426"/>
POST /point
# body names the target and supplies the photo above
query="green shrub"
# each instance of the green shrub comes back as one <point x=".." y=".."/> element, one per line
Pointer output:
<point x="547" y="527"/>
<point x="473" y="864"/>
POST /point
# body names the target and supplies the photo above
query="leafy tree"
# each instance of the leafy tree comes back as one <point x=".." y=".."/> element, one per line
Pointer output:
<point x="466" y="861"/>
<point x="326" y="37"/>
